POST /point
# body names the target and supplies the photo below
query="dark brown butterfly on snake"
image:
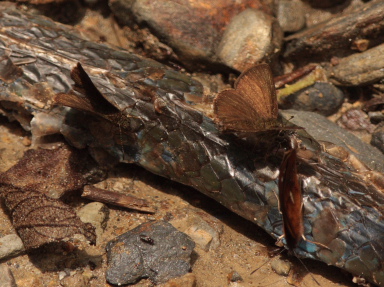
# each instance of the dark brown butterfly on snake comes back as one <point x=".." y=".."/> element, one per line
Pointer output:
<point x="291" y="197"/>
<point x="252" y="105"/>
<point x="291" y="201"/>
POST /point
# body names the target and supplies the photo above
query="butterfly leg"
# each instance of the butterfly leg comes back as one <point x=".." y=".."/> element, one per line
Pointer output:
<point x="316" y="243"/>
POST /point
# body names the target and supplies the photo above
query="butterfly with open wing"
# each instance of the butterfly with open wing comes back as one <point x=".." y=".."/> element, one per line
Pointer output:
<point x="252" y="105"/>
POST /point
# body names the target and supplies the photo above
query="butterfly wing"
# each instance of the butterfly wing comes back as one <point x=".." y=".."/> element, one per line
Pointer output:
<point x="234" y="113"/>
<point x="251" y="106"/>
<point x="291" y="199"/>
<point x="257" y="84"/>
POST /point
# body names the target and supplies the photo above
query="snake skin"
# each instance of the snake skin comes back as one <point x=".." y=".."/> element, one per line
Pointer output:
<point x="166" y="132"/>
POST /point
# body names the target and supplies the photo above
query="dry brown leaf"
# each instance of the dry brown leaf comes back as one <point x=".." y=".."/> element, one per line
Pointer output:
<point x="39" y="219"/>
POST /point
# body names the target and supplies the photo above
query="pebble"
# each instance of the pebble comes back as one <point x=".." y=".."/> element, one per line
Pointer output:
<point x="378" y="139"/>
<point x="188" y="280"/>
<point x="201" y="236"/>
<point x="6" y="277"/>
<point x="376" y="117"/>
<point x="95" y="213"/>
<point x="26" y="141"/>
<point x="155" y="250"/>
<point x="64" y="273"/>
<point x="281" y="267"/>
<point x="290" y="14"/>
<point x="202" y="233"/>
<point x="234" y="276"/>
<point x="11" y="246"/>
<point x="322" y="97"/>
<point x="76" y="280"/>
<point x="251" y="37"/>
<point x="356" y="119"/>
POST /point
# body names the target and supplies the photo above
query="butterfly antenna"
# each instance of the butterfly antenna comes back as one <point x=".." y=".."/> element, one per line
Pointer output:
<point x="260" y="266"/>
<point x="121" y="140"/>
<point x="282" y="249"/>
<point x="306" y="268"/>
<point x="285" y="121"/>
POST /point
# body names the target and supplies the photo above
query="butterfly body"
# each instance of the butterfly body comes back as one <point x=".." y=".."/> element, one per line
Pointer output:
<point x="291" y="198"/>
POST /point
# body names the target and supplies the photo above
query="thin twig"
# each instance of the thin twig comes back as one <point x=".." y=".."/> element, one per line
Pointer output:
<point x="116" y="198"/>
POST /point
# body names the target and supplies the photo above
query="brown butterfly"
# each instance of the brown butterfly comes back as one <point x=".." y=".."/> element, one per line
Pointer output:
<point x="251" y="106"/>
<point x="291" y="198"/>
<point x="291" y="202"/>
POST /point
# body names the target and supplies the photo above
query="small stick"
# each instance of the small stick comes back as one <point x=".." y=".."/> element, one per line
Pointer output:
<point x="281" y="81"/>
<point x="116" y="198"/>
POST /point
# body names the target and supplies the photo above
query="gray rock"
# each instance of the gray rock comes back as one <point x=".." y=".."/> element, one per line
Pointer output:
<point x="290" y="14"/>
<point x="324" y="130"/>
<point x="322" y="98"/>
<point x="251" y="36"/>
<point x="11" y="246"/>
<point x="155" y="250"/>
<point x="378" y="139"/>
<point x="360" y="68"/>
<point x="6" y="277"/>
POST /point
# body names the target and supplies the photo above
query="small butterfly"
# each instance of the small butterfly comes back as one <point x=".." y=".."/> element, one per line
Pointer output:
<point x="251" y="106"/>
